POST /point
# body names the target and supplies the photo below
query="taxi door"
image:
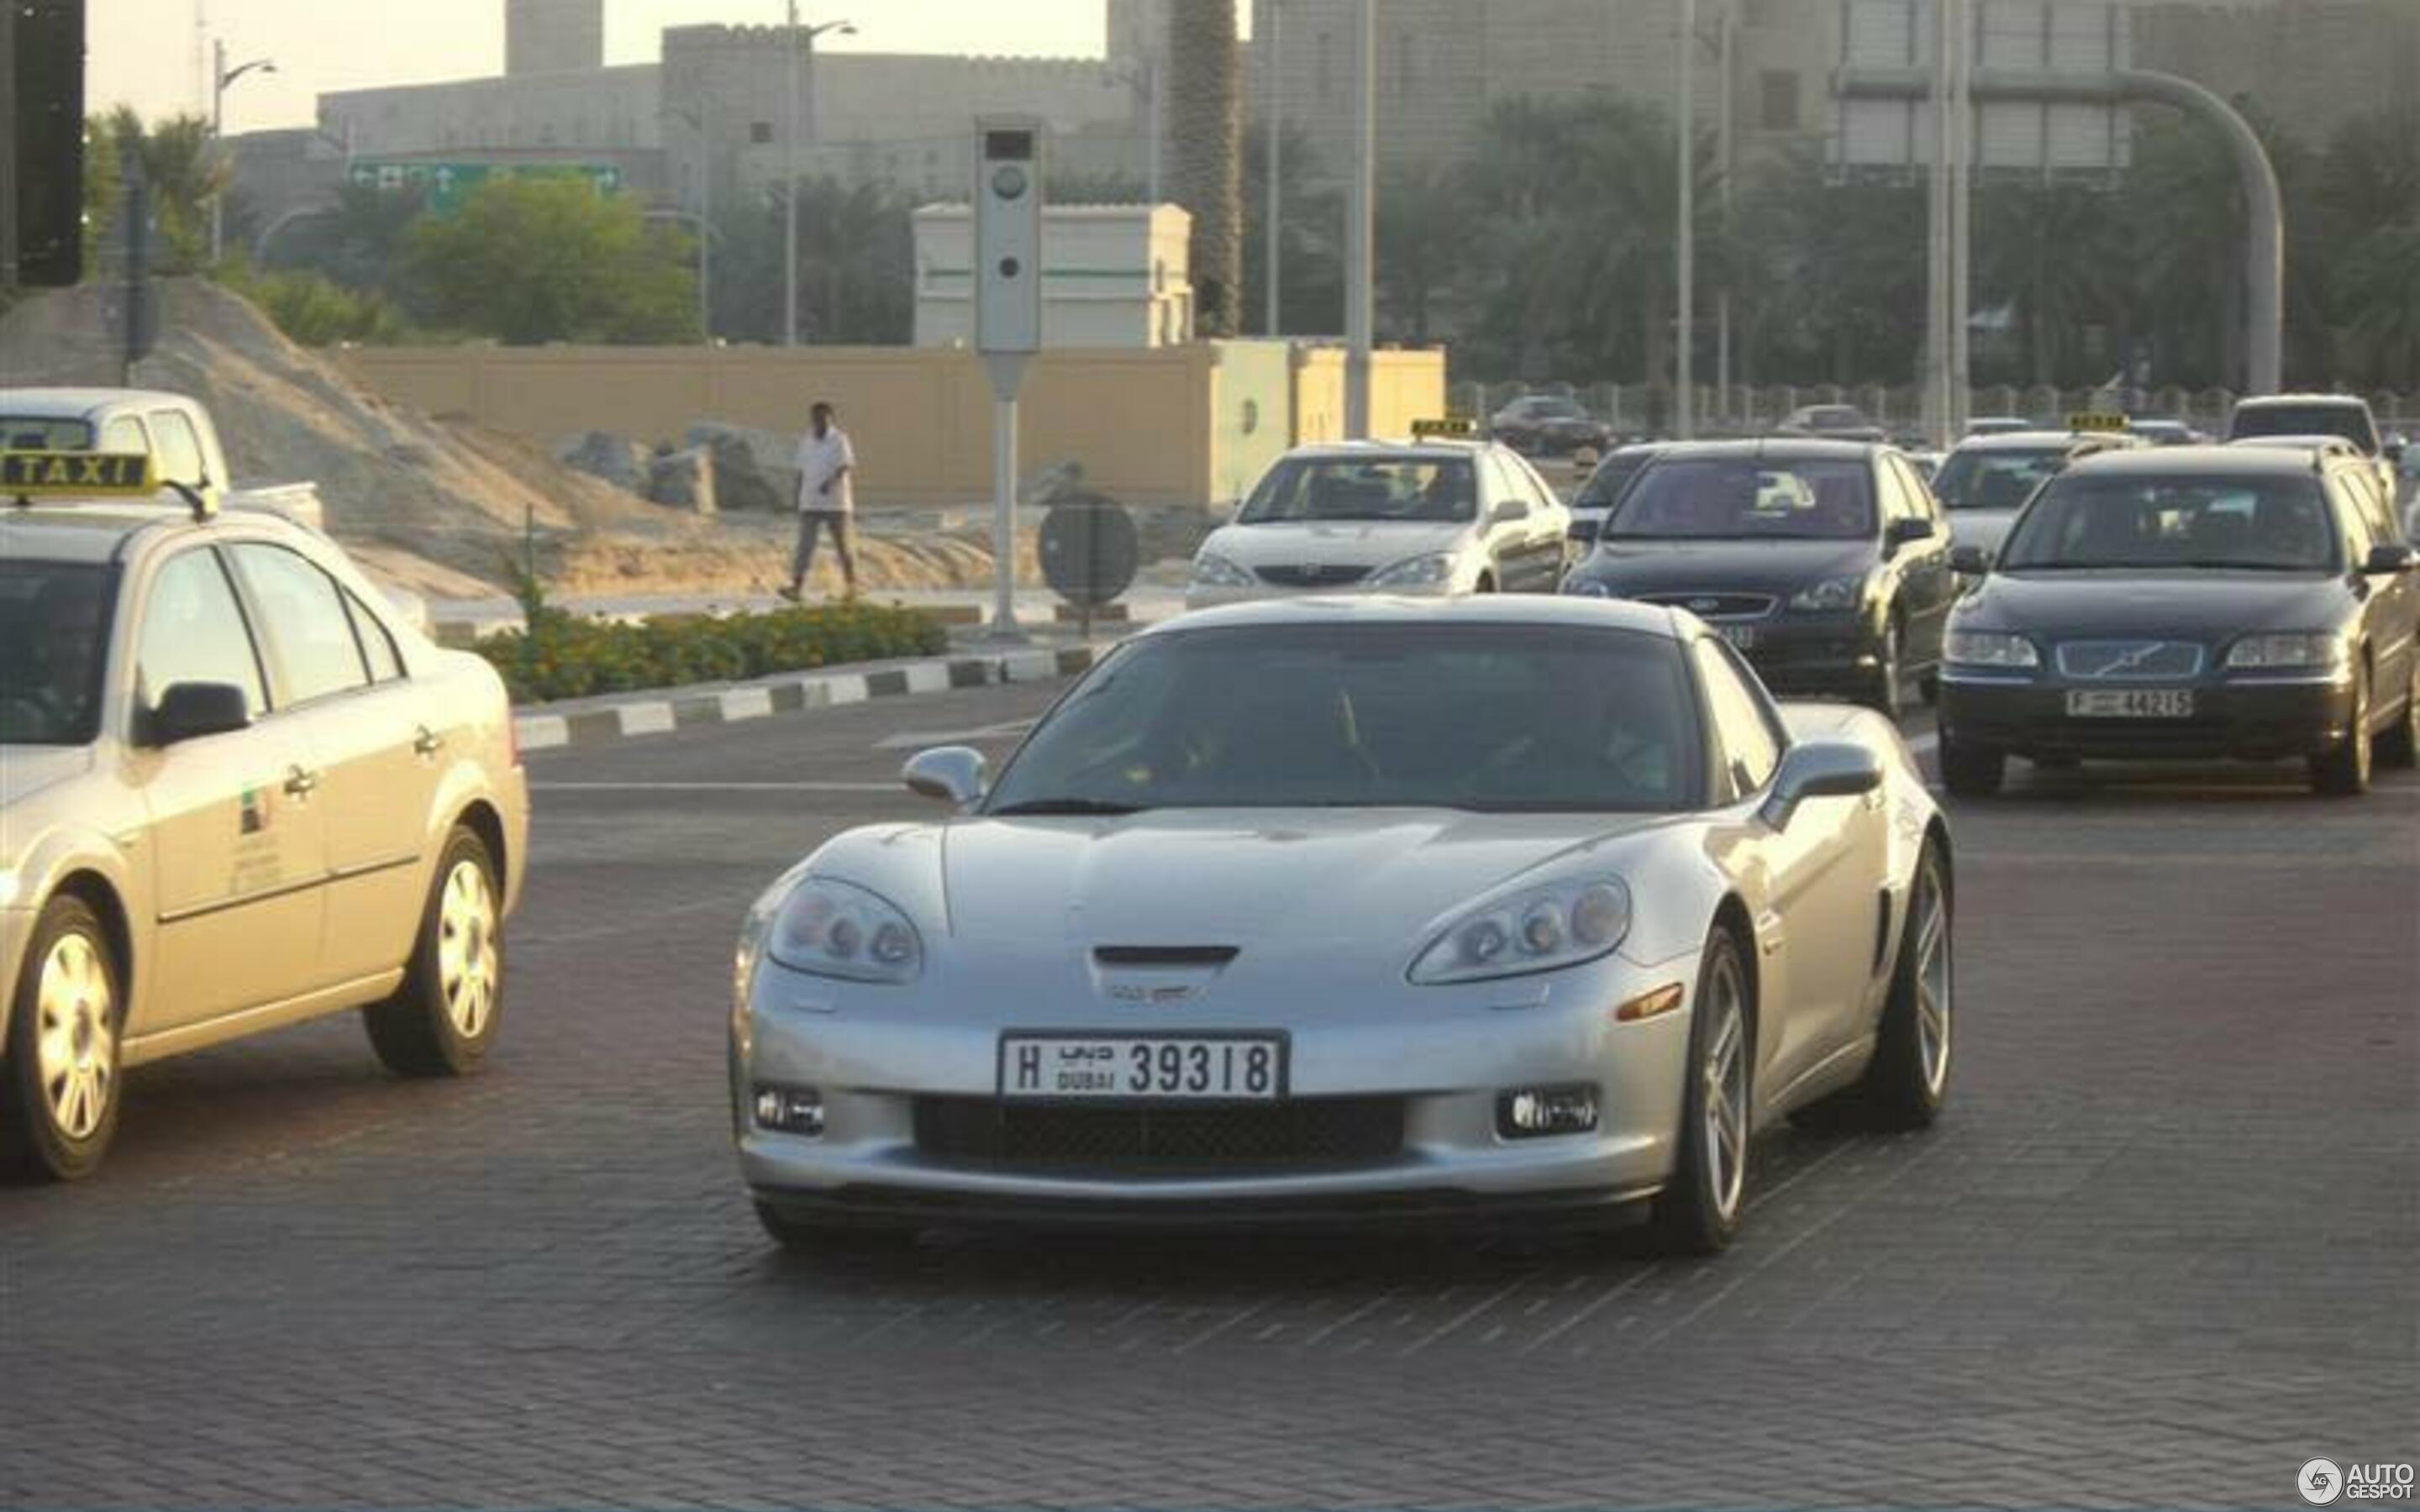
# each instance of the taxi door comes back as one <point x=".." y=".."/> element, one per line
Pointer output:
<point x="236" y="837"/>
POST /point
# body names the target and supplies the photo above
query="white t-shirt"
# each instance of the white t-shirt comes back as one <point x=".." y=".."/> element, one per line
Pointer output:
<point x="820" y="461"/>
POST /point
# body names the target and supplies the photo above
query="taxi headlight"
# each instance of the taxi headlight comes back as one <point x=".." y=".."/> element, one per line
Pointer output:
<point x="1539" y="929"/>
<point x="1990" y="648"/>
<point x="1418" y="572"/>
<point x="1211" y="570"/>
<point x="1830" y="596"/>
<point x="830" y="928"/>
<point x="2301" y="650"/>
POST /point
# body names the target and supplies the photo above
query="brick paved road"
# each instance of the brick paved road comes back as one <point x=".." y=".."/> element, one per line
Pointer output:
<point x="2161" y="1252"/>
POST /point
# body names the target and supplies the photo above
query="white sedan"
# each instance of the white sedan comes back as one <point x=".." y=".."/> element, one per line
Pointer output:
<point x="1356" y="911"/>
<point x="1431" y="517"/>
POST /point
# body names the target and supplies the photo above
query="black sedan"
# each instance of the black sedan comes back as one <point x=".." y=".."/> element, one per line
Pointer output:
<point x="1826" y="563"/>
<point x="1547" y="425"/>
<point x="2190" y="603"/>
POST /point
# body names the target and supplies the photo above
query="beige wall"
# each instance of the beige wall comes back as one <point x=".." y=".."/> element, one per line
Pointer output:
<point x="1148" y="426"/>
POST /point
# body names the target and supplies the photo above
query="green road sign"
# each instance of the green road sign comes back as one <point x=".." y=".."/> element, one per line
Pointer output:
<point x="448" y="184"/>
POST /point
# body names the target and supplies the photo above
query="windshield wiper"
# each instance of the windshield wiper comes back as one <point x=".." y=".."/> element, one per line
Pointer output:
<point x="1067" y="805"/>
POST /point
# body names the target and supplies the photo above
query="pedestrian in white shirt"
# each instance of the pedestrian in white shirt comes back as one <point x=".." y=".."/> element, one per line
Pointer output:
<point x="825" y="500"/>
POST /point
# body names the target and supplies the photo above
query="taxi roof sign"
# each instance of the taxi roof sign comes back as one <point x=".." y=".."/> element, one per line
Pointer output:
<point x="2093" y="420"/>
<point x="26" y="476"/>
<point x="1453" y="427"/>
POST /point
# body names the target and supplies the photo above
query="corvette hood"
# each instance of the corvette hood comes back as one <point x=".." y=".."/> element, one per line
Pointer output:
<point x="1246" y="877"/>
<point x="25" y="770"/>
<point x="1335" y="542"/>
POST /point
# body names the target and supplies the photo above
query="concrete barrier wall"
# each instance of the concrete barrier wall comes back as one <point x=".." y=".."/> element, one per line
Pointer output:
<point x="1164" y="427"/>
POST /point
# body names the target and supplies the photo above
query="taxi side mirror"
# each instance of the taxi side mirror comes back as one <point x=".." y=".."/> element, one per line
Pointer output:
<point x="189" y="711"/>
<point x="1507" y="510"/>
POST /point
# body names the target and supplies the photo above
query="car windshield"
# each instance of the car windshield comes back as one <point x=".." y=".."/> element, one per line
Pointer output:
<point x="1748" y="498"/>
<point x="34" y="433"/>
<point x="1973" y="478"/>
<point x="1407" y="488"/>
<point x="54" y="640"/>
<point x="2271" y="524"/>
<point x="1480" y="716"/>
<point x="2345" y="420"/>
<point x="1606" y="484"/>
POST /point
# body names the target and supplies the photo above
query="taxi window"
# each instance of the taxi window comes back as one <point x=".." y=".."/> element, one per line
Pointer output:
<point x="304" y="628"/>
<point x="1412" y="488"/>
<point x="1751" y="747"/>
<point x="180" y="450"/>
<point x="123" y="434"/>
<point x="22" y="433"/>
<point x="386" y="663"/>
<point x="194" y="632"/>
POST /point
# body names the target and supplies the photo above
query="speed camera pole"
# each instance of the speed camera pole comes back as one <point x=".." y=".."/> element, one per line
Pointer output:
<point x="1008" y="318"/>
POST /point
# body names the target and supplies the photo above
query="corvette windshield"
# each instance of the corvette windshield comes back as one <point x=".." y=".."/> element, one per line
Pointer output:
<point x="1487" y="717"/>
<point x="2270" y="524"/>
<point x="1747" y="498"/>
<point x="1409" y="488"/>
<point x="53" y="638"/>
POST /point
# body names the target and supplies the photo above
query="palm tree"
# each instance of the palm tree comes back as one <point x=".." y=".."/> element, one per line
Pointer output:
<point x="180" y="174"/>
<point x="1205" y="130"/>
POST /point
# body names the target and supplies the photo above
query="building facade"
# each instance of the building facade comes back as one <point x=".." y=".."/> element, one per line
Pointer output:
<point x="553" y="35"/>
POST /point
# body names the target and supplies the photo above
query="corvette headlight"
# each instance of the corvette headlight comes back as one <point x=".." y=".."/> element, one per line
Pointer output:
<point x="1586" y="588"/>
<point x="1419" y="572"/>
<point x="836" y="928"/>
<point x="1989" y="648"/>
<point x="1539" y="929"/>
<point x="1211" y="570"/>
<point x="2300" y="650"/>
<point x="1831" y="596"/>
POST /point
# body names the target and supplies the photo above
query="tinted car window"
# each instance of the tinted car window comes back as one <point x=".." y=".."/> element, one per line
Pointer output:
<point x="179" y="449"/>
<point x="194" y="632"/>
<point x="1606" y="484"/>
<point x="1414" y="488"/>
<point x="1746" y="498"/>
<point x="2351" y="422"/>
<point x="1751" y="749"/>
<point x="2255" y="523"/>
<point x="304" y="628"/>
<point x="53" y="646"/>
<point x="1500" y="716"/>
<point x="1999" y="478"/>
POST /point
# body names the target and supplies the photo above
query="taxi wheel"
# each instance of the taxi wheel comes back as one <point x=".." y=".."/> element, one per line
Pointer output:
<point x="1698" y="1211"/>
<point x="62" y="1084"/>
<point x="2344" y="772"/>
<point x="441" y="1020"/>
<point x="2400" y="746"/>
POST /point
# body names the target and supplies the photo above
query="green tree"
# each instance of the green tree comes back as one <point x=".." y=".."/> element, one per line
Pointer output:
<point x="2053" y="254"/>
<point x="531" y="260"/>
<point x="1203" y="80"/>
<point x="179" y="172"/>
<point x="856" y="268"/>
<point x="1311" y="228"/>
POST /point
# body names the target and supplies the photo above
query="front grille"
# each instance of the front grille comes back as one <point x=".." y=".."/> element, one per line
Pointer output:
<point x="2130" y="661"/>
<point x="1716" y="606"/>
<point x="1317" y="577"/>
<point x="1162" y="1138"/>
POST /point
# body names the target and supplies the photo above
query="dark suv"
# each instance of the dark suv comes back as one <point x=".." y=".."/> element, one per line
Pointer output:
<point x="1826" y="563"/>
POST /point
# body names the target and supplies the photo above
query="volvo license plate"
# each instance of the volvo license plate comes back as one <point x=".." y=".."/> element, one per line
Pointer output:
<point x="1160" y="1068"/>
<point x="2130" y="703"/>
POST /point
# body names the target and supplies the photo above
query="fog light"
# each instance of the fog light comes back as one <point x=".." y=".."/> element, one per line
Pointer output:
<point x="1529" y="1112"/>
<point x="798" y="1110"/>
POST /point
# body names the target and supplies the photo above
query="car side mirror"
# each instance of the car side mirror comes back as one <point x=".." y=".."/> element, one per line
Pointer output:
<point x="2394" y="450"/>
<point x="1971" y="561"/>
<point x="955" y="774"/>
<point x="1907" y="533"/>
<point x="1507" y="510"/>
<point x="2391" y="558"/>
<point x="189" y="711"/>
<point x="1821" y="769"/>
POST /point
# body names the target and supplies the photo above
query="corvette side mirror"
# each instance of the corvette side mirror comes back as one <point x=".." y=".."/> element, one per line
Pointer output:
<point x="953" y="774"/>
<point x="1821" y="769"/>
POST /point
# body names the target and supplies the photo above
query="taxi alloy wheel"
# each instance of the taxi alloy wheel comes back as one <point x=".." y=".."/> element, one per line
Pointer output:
<point x="63" y="1085"/>
<point x="441" y="1020"/>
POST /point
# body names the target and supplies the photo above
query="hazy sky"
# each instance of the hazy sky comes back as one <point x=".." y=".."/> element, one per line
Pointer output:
<point x="144" y="51"/>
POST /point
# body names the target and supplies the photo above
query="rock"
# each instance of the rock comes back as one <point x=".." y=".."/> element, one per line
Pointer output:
<point x="684" y="480"/>
<point x="753" y="469"/>
<point x="621" y="463"/>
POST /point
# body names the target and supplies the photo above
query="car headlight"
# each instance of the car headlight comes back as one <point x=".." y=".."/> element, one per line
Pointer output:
<point x="2299" y="650"/>
<point x="1211" y="570"/>
<point x="829" y="928"/>
<point x="1830" y="596"/>
<point x="1539" y="929"/>
<point x="1989" y="648"/>
<point x="1586" y="588"/>
<point x="1418" y="572"/>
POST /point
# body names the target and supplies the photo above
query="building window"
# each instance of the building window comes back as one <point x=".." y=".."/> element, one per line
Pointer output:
<point x="760" y="132"/>
<point x="1779" y="90"/>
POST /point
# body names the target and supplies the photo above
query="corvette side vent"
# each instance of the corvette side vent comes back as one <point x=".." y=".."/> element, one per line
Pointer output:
<point x="1169" y="956"/>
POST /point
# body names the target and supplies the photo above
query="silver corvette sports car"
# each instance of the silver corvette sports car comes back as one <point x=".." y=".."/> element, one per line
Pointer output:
<point x="1356" y="911"/>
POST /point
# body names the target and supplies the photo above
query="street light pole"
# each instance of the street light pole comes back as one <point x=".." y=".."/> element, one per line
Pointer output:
<point x="220" y="77"/>
<point x="695" y="120"/>
<point x="1360" y="224"/>
<point x="798" y="41"/>
<point x="1270" y="53"/>
<point x="1685" y="409"/>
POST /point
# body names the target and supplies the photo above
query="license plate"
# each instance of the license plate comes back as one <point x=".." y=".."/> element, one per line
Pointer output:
<point x="2130" y="703"/>
<point x="1161" y="1068"/>
<point x="1741" y="636"/>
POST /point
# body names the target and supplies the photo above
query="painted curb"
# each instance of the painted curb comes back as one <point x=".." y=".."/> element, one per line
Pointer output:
<point x="540" y="730"/>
